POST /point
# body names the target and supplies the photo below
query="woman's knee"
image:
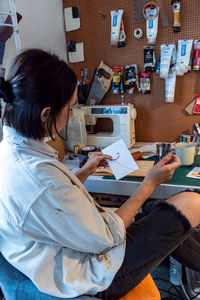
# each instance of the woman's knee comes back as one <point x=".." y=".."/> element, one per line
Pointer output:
<point x="188" y="203"/>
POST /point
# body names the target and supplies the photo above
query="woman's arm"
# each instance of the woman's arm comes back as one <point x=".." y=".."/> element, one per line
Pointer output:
<point x="158" y="174"/>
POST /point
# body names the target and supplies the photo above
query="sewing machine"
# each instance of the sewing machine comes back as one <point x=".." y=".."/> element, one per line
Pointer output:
<point x="122" y="116"/>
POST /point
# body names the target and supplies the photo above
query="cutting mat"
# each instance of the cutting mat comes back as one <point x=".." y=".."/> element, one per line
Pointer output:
<point x="143" y="165"/>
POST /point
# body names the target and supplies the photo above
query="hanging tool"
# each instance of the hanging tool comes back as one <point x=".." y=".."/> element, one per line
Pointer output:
<point x="83" y="87"/>
<point x="138" y="10"/>
<point x="100" y="85"/>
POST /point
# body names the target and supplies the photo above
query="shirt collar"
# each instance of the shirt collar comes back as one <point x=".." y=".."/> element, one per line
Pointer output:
<point x="13" y="136"/>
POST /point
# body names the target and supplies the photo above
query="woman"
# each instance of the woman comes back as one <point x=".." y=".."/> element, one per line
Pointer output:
<point x="51" y="228"/>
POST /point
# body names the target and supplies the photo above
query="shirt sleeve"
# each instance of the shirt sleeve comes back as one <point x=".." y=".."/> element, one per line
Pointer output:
<point x="63" y="215"/>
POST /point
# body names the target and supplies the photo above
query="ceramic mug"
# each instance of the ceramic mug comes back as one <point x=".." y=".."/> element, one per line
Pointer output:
<point x="186" y="153"/>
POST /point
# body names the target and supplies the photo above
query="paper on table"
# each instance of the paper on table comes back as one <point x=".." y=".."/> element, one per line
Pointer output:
<point x="123" y="162"/>
<point x="194" y="173"/>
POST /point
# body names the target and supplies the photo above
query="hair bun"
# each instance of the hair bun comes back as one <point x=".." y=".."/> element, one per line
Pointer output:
<point x="6" y="90"/>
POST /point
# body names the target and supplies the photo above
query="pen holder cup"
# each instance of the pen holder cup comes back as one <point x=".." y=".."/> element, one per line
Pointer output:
<point x="162" y="149"/>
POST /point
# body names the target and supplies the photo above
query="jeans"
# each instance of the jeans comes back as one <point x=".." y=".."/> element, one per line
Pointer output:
<point x="155" y="234"/>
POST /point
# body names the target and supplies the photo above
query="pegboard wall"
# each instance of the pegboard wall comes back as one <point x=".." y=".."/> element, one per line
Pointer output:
<point x="156" y="119"/>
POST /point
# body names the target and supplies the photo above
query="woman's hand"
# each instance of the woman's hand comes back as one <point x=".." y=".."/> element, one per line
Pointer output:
<point x="95" y="160"/>
<point x="163" y="170"/>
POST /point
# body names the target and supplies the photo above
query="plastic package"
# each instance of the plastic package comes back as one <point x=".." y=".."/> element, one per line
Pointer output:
<point x="116" y="18"/>
<point x="165" y="59"/>
<point x="122" y="36"/>
<point x="116" y="74"/>
<point x="149" y="59"/>
<point x="196" y="58"/>
<point x="130" y="78"/>
<point x="145" y="82"/>
<point x="170" y="81"/>
<point x="151" y="12"/>
<point x="183" y="56"/>
<point x="176" y="7"/>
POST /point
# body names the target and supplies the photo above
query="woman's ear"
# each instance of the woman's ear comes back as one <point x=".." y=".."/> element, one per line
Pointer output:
<point x="45" y="114"/>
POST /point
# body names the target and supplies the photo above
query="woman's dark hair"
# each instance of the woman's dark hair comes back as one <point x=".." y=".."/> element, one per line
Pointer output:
<point x="37" y="79"/>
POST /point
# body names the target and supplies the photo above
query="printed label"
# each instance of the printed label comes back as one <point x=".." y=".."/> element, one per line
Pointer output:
<point x="150" y="24"/>
<point x="115" y="20"/>
<point x="176" y="7"/>
<point x="183" y="50"/>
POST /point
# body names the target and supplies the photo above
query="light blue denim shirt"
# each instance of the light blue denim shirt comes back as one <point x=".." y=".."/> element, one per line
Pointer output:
<point x="51" y="229"/>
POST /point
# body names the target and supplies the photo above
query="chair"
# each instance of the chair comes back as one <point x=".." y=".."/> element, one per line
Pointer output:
<point x="145" y="290"/>
<point x="16" y="286"/>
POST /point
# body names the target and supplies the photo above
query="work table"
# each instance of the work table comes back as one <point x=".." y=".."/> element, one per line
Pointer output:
<point x="126" y="186"/>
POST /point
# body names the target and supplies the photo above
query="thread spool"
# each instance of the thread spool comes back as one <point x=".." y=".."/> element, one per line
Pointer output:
<point x="85" y="150"/>
<point x="187" y="138"/>
<point x="138" y="33"/>
<point x="76" y="150"/>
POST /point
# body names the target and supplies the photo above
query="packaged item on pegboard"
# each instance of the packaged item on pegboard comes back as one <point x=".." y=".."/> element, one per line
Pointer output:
<point x="145" y="82"/>
<point x="116" y="20"/>
<point x="196" y="57"/>
<point x="137" y="82"/>
<point x="183" y="56"/>
<point x="176" y="7"/>
<point x="130" y="78"/>
<point x="149" y="59"/>
<point x="196" y="108"/>
<point x="170" y="80"/>
<point x="165" y="59"/>
<point x="122" y="36"/>
<point x="151" y="13"/>
<point x="116" y="79"/>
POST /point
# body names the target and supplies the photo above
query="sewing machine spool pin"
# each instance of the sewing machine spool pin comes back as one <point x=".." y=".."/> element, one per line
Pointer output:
<point x="122" y="100"/>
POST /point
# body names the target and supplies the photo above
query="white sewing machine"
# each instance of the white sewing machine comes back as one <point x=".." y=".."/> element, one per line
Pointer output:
<point x="123" y="117"/>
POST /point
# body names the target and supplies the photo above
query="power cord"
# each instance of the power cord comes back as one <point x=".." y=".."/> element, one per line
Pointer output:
<point x="179" y="278"/>
<point x="184" y="291"/>
<point x="179" y="296"/>
<point x="175" y="287"/>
